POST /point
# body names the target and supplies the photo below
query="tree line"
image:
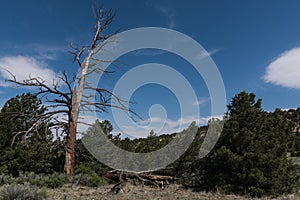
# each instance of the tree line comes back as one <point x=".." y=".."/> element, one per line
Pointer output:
<point x="251" y="156"/>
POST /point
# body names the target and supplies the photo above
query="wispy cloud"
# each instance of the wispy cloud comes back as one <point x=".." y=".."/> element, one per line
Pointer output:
<point x="201" y="101"/>
<point x="148" y="52"/>
<point x="164" y="126"/>
<point x="166" y="10"/>
<point x="170" y="14"/>
<point x="204" y="54"/>
<point x="285" y="70"/>
<point x="47" y="52"/>
<point x="23" y="67"/>
<point x="39" y="51"/>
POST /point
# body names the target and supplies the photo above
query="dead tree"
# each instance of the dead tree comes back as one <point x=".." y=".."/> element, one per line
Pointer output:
<point x="67" y="100"/>
<point x="121" y="177"/>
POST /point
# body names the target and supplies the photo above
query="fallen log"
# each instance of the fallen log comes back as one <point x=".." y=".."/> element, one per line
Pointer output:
<point x="158" y="180"/>
<point x="115" y="174"/>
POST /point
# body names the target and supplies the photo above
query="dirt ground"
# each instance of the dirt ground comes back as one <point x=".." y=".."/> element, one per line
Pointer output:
<point x="133" y="192"/>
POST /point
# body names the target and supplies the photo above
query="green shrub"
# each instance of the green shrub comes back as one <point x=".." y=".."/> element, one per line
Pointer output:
<point x="6" y="179"/>
<point x="90" y="180"/>
<point x="53" y="181"/>
<point x="22" y="192"/>
<point x="83" y="169"/>
<point x="87" y="177"/>
<point x="50" y="181"/>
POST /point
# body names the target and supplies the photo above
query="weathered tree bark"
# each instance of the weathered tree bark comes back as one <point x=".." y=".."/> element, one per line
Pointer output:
<point x="70" y="148"/>
<point x="73" y="114"/>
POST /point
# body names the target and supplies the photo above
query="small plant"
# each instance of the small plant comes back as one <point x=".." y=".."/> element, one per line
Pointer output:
<point x="54" y="180"/>
<point x="6" y="179"/>
<point x="87" y="177"/>
<point x="49" y="181"/>
<point x="22" y="192"/>
<point x="90" y="180"/>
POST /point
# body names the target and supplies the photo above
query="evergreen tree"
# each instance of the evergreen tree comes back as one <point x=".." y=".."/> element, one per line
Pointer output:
<point x="251" y="154"/>
<point x="24" y="151"/>
<point x="83" y="157"/>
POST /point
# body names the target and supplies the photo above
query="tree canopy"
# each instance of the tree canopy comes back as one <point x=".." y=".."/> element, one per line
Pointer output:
<point x="251" y="155"/>
<point x="24" y="150"/>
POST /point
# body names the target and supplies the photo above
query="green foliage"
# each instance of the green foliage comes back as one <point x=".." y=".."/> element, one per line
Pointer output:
<point x="183" y="167"/>
<point x="293" y="115"/>
<point x="90" y="180"/>
<point x="105" y="126"/>
<point x="84" y="176"/>
<point x="87" y="177"/>
<point x="251" y="154"/>
<point x="22" y="192"/>
<point x="84" y="160"/>
<point x="149" y="144"/>
<point x="83" y="169"/>
<point x="6" y="179"/>
<point x="49" y="181"/>
<point x="18" y="114"/>
<point x="21" y="150"/>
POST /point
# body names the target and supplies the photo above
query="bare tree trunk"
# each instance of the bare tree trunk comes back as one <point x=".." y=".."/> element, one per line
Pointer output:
<point x="70" y="152"/>
<point x="73" y="117"/>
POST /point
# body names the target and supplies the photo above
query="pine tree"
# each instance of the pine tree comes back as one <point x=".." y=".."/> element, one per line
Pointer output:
<point x="251" y="155"/>
<point x="24" y="151"/>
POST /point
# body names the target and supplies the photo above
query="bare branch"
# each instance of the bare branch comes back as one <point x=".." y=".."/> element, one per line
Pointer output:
<point x="68" y="100"/>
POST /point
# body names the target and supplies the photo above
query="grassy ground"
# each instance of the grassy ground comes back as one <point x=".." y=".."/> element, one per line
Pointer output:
<point x="133" y="192"/>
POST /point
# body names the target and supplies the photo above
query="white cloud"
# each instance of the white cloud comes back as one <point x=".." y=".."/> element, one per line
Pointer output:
<point x="23" y="67"/>
<point x="85" y="121"/>
<point x="163" y="126"/>
<point x="285" y="70"/>
<point x="166" y="10"/>
<point x="201" y="101"/>
<point x="170" y="14"/>
<point x="204" y="54"/>
<point x="287" y="109"/>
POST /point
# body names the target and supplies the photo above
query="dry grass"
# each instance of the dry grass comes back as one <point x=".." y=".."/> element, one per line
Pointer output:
<point x="133" y="192"/>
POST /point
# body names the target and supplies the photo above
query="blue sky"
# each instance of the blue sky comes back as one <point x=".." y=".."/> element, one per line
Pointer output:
<point x="255" y="45"/>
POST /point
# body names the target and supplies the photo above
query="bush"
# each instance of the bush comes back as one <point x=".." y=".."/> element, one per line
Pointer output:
<point x="87" y="177"/>
<point x="83" y="169"/>
<point x="53" y="181"/>
<point x="6" y="179"/>
<point x="22" y="192"/>
<point x="250" y="157"/>
<point x="50" y="181"/>
<point x="90" y="180"/>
